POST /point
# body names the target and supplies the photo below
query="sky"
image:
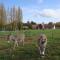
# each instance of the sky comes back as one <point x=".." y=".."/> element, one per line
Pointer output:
<point x="38" y="11"/>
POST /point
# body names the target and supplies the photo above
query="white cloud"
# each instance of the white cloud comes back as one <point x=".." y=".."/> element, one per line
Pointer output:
<point x="30" y="11"/>
<point x="41" y="15"/>
<point x="50" y="13"/>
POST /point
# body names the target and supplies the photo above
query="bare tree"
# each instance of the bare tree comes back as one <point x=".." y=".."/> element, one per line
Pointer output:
<point x="2" y="17"/>
<point x="19" y="18"/>
<point x="12" y="17"/>
<point x="16" y="18"/>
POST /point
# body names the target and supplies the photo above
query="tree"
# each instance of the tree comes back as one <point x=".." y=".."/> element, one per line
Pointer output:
<point x="29" y="25"/>
<point x="2" y="16"/>
<point x="16" y="18"/>
<point x="57" y="24"/>
<point x="19" y="18"/>
<point x="12" y="14"/>
<point x="33" y="23"/>
<point x="50" y="25"/>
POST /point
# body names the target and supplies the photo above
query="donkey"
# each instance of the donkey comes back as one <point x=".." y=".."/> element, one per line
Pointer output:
<point x="17" y="39"/>
<point x="42" y="41"/>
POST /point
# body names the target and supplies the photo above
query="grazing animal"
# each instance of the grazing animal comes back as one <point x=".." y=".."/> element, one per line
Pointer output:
<point x="42" y="41"/>
<point x="17" y="39"/>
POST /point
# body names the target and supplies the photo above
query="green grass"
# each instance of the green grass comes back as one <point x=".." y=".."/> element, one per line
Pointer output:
<point x="29" y="51"/>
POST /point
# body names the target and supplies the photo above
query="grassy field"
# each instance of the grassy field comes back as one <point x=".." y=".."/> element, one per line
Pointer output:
<point x="29" y="51"/>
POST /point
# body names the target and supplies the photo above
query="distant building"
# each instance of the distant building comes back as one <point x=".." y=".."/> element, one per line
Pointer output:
<point x="37" y="26"/>
<point x="25" y="26"/>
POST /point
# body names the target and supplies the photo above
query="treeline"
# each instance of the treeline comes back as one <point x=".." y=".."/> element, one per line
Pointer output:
<point x="57" y="24"/>
<point x="10" y="19"/>
<point x="34" y="25"/>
